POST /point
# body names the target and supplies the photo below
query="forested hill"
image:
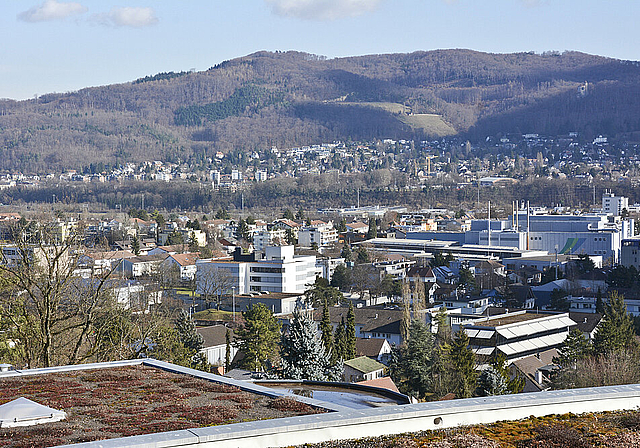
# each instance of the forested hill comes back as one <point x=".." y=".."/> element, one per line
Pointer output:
<point x="290" y="99"/>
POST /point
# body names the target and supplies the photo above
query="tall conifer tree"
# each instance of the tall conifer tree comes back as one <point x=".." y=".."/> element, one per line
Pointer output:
<point x="350" y="333"/>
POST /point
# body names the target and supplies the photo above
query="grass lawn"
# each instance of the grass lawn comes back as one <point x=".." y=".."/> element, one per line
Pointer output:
<point x="215" y="315"/>
<point x="432" y="123"/>
<point x="186" y="292"/>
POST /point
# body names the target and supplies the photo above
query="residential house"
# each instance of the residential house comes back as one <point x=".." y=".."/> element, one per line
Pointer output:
<point x="362" y="368"/>
<point x="287" y="224"/>
<point x="489" y="274"/>
<point x="215" y="344"/>
<point x="370" y="322"/>
<point x="394" y="265"/>
<point x="144" y="265"/>
<point x="422" y="276"/>
<point x="277" y="302"/>
<point x="273" y="237"/>
<point x="168" y="250"/>
<point x="358" y="227"/>
<point x="587" y="323"/>
<point x="184" y="263"/>
<point x="536" y="370"/>
<point x="326" y="266"/>
<point x="445" y="275"/>
<point x="378" y="349"/>
<point x="103" y="262"/>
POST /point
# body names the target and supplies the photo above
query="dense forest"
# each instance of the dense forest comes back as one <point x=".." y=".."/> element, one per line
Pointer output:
<point x="290" y="98"/>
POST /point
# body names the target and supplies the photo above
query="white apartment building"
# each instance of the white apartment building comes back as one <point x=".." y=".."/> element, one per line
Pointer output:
<point x="261" y="175"/>
<point x="321" y="235"/>
<point x="588" y="304"/>
<point x="264" y="238"/>
<point x="278" y="269"/>
<point x="614" y="204"/>
<point x="630" y="253"/>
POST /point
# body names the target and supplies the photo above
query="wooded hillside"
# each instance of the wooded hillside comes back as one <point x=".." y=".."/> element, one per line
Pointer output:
<point x="290" y="99"/>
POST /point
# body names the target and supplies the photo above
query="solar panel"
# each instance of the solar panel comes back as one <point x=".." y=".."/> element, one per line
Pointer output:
<point x="485" y="334"/>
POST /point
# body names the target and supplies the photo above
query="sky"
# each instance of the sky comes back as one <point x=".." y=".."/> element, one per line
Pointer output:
<point x="60" y="46"/>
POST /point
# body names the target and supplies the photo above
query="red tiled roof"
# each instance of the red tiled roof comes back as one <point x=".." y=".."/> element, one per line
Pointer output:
<point x="383" y="383"/>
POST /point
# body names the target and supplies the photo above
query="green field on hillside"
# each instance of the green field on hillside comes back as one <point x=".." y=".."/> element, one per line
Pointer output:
<point x="432" y="124"/>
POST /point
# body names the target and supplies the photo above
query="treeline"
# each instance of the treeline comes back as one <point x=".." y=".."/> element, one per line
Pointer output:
<point x="311" y="192"/>
<point x="159" y="77"/>
<point x="249" y="98"/>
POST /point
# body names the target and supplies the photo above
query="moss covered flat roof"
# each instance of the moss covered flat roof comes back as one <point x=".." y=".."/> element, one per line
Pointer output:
<point x="364" y="364"/>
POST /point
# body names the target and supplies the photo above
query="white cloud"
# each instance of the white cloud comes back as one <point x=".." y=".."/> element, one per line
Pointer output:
<point x="322" y="9"/>
<point x="51" y="10"/>
<point x="135" y="17"/>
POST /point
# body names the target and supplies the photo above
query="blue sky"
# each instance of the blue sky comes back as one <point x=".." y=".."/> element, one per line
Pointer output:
<point x="59" y="45"/>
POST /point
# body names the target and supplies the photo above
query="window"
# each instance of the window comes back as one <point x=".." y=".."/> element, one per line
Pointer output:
<point x="266" y="270"/>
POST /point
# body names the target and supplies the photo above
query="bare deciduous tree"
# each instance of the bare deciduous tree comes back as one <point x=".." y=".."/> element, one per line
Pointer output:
<point x="214" y="282"/>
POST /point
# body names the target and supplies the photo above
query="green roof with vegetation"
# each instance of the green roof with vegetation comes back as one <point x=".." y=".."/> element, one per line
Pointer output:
<point x="364" y="364"/>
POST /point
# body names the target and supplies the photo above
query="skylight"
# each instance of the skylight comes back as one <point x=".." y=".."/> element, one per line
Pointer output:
<point x="24" y="412"/>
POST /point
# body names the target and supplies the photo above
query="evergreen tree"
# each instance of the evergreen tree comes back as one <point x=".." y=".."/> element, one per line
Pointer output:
<point x="227" y="355"/>
<point x="339" y="341"/>
<point x="258" y="339"/>
<point x="346" y="252"/>
<point x="440" y="259"/>
<point x="222" y="213"/>
<point x="288" y="214"/>
<point x="187" y="333"/>
<point x="350" y="333"/>
<point x="405" y="323"/>
<point x="515" y="385"/>
<point x="373" y="229"/>
<point x="290" y="237"/>
<point x="461" y="362"/>
<point x="559" y="301"/>
<point x="135" y="245"/>
<point x="490" y="382"/>
<point x="300" y="214"/>
<point x="466" y="280"/>
<point x="303" y="355"/>
<point x="443" y="336"/>
<point x="174" y="238"/>
<point x="191" y="340"/>
<point x="412" y="365"/>
<point x="242" y="230"/>
<point x="320" y="291"/>
<point x="341" y="277"/>
<point x="574" y="348"/>
<point x="616" y="330"/>
<point x="362" y="256"/>
<point x="326" y="328"/>
<point x="599" y="303"/>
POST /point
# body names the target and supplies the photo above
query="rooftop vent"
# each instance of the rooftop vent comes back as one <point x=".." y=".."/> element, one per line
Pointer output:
<point x="24" y="412"/>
